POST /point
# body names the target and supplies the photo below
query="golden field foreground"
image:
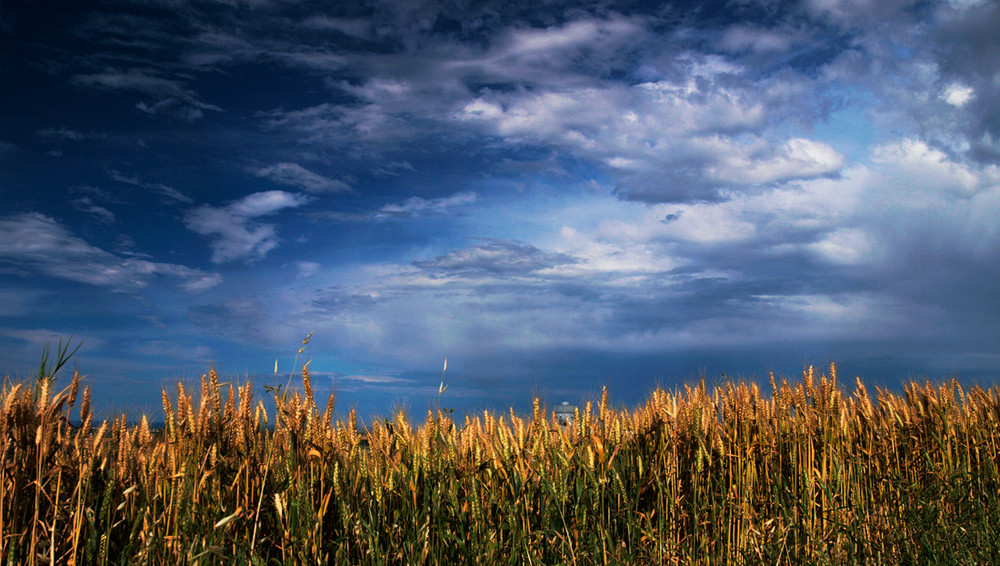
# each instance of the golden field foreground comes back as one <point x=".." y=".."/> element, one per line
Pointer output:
<point x="809" y="474"/>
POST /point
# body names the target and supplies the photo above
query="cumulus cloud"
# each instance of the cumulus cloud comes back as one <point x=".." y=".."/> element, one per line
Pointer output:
<point x="233" y="234"/>
<point x="918" y="165"/>
<point x="665" y="140"/>
<point x="846" y="246"/>
<point x="957" y="94"/>
<point x="42" y="245"/>
<point x="680" y="127"/>
<point x="293" y="174"/>
<point x="796" y="158"/>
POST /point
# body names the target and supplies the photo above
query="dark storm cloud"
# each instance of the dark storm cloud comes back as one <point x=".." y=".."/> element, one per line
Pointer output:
<point x="968" y="41"/>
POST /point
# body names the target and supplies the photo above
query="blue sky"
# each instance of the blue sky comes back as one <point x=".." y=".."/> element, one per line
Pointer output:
<point x="555" y="196"/>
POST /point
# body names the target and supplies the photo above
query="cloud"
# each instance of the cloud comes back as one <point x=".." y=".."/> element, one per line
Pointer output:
<point x="816" y="263"/>
<point x="295" y="175"/>
<point x="796" y="158"/>
<point x="395" y="168"/>
<point x="41" y="244"/>
<point x="495" y="258"/>
<point x="963" y="45"/>
<point x="61" y="133"/>
<point x="353" y="27"/>
<point x="231" y="228"/>
<point x="664" y="141"/>
<point x="412" y="207"/>
<point x="957" y="94"/>
<point x="654" y="111"/>
<point x="559" y="55"/>
<point x="134" y="79"/>
<point x="306" y="268"/>
<point x="741" y="38"/>
<point x="411" y="94"/>
<point x="168" y="194"/>
<point x="781" y="173"/>
<point x="415" y="206"/>
<point x="172" y="97"/>
<point x="172" y="107"/>
<point x="344" y="126"/>
<point x="918" y="165"/>
<point x="846" y="246"/>
<point x="101" y="214"/>
<point x="849" y="13"/>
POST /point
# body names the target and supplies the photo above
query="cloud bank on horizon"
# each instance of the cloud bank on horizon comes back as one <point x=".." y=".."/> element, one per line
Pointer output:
<point x="553" y="195"/>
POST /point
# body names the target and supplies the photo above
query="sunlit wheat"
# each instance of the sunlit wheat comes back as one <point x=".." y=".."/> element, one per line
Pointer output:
<point x="812" y="474"/>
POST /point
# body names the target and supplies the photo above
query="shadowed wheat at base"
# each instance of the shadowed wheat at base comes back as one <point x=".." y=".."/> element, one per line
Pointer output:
<point x="809" y="474"/>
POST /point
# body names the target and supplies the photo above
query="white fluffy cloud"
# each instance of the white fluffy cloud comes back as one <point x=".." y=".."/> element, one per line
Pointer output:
<point x="664" y="140"/>
<point x="233" y="233"/>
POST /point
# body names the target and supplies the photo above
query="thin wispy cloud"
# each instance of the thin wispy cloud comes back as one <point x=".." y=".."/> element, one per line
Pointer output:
<point x="169" y="95"/>
<point x="415" y="206"/>
<point x="294" y="175"/>
<point x="42" y="245"/>
<point x="495" y="258"/>
<point x="167" y="194"/>
<point x="101" y="214"/>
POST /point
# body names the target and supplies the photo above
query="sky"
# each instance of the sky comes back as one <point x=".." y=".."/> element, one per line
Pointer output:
<point x="554" y="195"/>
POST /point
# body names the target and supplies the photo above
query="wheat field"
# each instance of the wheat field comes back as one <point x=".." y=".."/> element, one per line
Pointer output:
<point x="809" y="472"/>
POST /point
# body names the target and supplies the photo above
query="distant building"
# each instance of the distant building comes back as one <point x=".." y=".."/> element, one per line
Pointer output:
<point x="565" y="413"/>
